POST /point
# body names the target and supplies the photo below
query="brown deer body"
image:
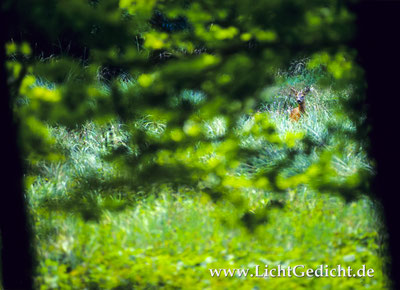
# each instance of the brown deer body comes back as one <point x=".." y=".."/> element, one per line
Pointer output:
<point x="296" y="113"/>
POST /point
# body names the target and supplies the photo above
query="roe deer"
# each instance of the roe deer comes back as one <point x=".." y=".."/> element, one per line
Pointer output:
<point x="296" y="113"/>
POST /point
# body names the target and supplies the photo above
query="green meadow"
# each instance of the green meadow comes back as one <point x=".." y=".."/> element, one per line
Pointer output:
<point x="170" y="237"/>
<point x="158" y="152"/>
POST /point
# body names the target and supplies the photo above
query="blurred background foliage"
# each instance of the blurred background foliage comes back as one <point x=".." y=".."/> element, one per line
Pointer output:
<point x="130" y="61"/>
<point x="123" y="104"/>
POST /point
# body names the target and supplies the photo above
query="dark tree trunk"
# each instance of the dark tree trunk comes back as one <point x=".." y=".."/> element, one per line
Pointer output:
<point x="378" y="46"/>
<point x="16" y="255"/>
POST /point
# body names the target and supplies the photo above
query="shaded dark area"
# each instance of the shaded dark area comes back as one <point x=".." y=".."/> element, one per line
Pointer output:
<point x="378" y="47"/>
<point x="16" y="254"/>
<point x="161" y="22"/>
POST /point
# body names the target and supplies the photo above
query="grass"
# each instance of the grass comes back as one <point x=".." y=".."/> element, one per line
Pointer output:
<point x="171" y="241"/>
<point x="170" y="237"/>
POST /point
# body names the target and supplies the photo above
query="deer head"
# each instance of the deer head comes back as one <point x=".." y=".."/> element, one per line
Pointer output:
<point x="299" y="95"/>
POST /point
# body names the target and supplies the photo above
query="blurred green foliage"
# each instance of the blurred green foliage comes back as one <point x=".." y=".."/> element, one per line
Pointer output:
<point x="243" y="47"/>
<point x="127" y="109"/>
